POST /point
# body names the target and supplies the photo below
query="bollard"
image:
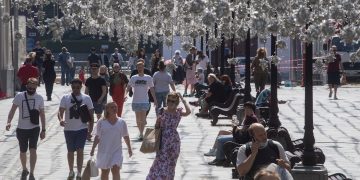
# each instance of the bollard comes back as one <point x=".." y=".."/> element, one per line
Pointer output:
<point x="317" y="172"/>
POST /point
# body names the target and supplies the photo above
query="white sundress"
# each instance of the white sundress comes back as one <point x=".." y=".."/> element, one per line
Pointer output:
<point x="110" y="146"/>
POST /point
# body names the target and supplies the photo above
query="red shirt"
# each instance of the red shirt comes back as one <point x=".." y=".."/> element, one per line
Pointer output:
<point x="335" y="66"/>
<point x="27" y="71"/>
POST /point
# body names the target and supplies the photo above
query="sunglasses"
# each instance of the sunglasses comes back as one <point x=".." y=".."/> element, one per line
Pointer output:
<point x="172" y="101"/>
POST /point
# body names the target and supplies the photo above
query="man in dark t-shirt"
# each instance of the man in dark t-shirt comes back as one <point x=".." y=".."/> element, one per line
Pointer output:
<point x="93" y="58"/>
<point x="96" y="89"/>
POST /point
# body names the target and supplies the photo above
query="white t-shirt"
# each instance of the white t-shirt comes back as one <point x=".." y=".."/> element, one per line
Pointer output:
<point x="203" y="62"/>
<point x="162" y="80"/>
<point x="141" y="85"/>
<point x="35" y="102"/>
<point x="241" y="156"/>
<point x="73" y="121"/>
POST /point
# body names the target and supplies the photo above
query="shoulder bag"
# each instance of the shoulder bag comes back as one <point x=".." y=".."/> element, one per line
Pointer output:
<point x="34" y="113"/>
<point x="82" y="110"/>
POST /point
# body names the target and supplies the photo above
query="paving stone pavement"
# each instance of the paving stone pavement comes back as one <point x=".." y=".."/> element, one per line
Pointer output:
<point x="335" y="121"/>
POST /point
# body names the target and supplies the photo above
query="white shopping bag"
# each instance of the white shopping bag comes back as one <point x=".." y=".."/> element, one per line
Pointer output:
<point x="94" y="171"/>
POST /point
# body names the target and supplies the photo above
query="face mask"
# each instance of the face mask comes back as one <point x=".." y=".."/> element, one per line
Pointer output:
<point x="30" y="92"/>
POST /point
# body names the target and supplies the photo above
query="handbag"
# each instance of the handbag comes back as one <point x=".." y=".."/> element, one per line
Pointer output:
<point x="34" y="113"/>
<point x="94" y="171"/>
<point x="82" y="110"/>
<point x="152" y="140"/>
<point x="90" y="169"/>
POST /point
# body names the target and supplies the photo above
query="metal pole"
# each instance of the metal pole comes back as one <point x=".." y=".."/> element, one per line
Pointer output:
<point x="247" y="96"/>
<point x="202" y="43"/>
<point x="16" y="41"/>
<point x="206" y="40"/>
<point x="222" y="53"/>
<point x="309" y="156"/>
<point x="274" y="121"/>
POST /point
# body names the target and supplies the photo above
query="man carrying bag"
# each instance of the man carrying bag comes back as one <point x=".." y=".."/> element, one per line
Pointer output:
<point x="78" y="124"/>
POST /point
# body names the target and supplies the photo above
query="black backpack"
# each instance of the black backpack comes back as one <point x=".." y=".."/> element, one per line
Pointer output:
<point x="83" y="110"/>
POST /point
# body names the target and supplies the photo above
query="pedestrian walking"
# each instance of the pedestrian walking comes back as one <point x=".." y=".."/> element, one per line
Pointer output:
<point x="118" y="84"/>
<point x="82" y="74"/>
<point x="202" y="61"/>
<point x="27" y="70"/>
<point x="179" y="74"/>
<point x="164" y="164"/>
<point x="190" y="68"/>
<point x="104" y="73"/>
<point x="104" y="59"/>
<point x="49" y="73"/>
<point x="259" y="70"/>
<point x="116" y="57"/>
<point x="72" y="68"/>
<point x="96" y="89"/>
<point x="93" y="58"/>
<point x="31" y="107"/>
<point x="76" y="129"/>
<point x="334" y="70"/>
<point x="142" y="55"/>
<point x="155" y="59"/>
<point x="109" y="132"/>
<point x="162" y="81"/>
<point x="39" y="58"/>
<point x="147" y="72"/>
<point x="140" y="84"/>
<point x="132" y="61"/>
<point x="65" y="69"/>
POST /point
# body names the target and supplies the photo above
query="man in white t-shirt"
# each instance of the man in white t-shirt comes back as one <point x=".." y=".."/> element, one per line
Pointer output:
<point x="140" y="84"/>
<point x="75" y="130"/>
<point x="27" y="132"/>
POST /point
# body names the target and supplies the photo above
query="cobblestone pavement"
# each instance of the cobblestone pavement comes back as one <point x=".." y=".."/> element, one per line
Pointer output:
<point x="336" y="133"/>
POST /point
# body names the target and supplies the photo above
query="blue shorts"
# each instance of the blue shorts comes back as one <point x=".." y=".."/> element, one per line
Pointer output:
<point x="98" y="108"/>
<point x="140" y="106"/>
<point x="75" y="139"/>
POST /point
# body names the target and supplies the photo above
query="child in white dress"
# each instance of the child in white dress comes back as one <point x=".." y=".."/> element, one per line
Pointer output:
<point x="109" y="133"/>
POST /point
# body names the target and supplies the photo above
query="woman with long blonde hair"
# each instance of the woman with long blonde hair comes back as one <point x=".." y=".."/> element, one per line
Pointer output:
<point x="109" y="133"/>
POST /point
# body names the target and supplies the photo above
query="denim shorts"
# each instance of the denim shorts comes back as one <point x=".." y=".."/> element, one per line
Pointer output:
<point x="75" y="139"/>
<point x="98" y="108"/>
<point x="140" y="106"/>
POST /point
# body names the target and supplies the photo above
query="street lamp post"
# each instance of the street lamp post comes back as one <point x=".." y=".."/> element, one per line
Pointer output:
<point x="247" y="89"/>
<point x="274" y="121"/>
<point x="222" y="54"/>
<point x="309" y="169"/>
<point x="309" y="156"/>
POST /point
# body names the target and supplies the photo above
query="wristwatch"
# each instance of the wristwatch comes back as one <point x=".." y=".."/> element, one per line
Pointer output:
<point x="43" y="130"/>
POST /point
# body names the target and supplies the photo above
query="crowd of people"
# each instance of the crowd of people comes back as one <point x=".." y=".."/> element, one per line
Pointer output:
<point x="245" y="146"/>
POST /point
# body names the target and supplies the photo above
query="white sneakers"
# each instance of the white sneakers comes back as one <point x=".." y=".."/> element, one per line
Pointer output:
<point x="212" y="152"/>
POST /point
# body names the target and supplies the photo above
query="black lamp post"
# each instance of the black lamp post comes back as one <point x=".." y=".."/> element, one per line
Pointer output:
<point x="247" y="89"/>
<point x="274" y="121"/>
<point x="309" y="156"/>
<point x="222" y="54"/>
<point x="247" y="96"/>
